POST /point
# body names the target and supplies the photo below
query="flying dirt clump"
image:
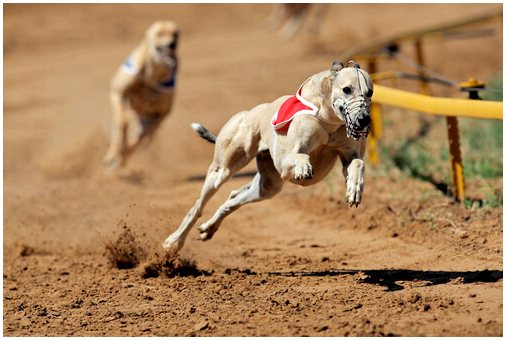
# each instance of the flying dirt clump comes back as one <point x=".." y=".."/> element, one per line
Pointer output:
<point x="171" y="266"/>
<point x="25" y="250"/>
<point x="124" y="253"/>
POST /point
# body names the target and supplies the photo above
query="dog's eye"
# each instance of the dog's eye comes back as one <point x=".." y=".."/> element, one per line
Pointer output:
<point x="347" y="90"/>
<point x="369" y="93"/>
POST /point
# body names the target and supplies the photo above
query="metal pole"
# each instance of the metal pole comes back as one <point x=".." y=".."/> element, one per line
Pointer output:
<point x="376" y="123"/>
<point x="453" y="133"/>
<point x="456" y="159"/>
<point x="424" y="86"/>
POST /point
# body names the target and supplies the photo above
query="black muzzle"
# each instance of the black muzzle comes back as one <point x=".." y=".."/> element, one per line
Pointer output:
<point x="357" y="116"/>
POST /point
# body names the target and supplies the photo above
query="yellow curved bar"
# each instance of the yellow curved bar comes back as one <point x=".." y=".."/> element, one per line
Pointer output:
<point x="438" y="106"/>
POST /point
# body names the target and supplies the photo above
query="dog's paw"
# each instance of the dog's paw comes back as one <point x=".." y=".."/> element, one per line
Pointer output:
<point x="206" y="231"/>
<point x="297" y="167"/>
<point x="355" y="182"/>
<point x="112" y="162"/>
<point x="354" y="190"/>
<point x="304" y="171"/>
<point x="172" y="245"/>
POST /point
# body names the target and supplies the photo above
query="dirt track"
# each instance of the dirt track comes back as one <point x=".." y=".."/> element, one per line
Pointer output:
<point x="408" y="261"/>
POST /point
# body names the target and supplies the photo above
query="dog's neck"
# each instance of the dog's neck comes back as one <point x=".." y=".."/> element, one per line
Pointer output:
<point x="157" y="73"/>
<point x="158" y="70"/>
<point x="318" y="92"/>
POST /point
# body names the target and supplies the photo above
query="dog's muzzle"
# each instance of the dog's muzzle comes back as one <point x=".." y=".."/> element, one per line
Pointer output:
<point x="356" y="114"/>
<point x="167" y="52"/>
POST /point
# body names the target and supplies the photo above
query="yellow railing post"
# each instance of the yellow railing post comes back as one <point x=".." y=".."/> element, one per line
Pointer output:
<point x="375" y="134"/>
<point x="453" y="132"/>
<point x="456" y="159"/>
<point x="424" y="85"/>
<point x="454" y="140"/>
<point x="376" y="123"/>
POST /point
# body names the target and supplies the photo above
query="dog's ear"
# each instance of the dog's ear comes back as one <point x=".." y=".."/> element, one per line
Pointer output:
<point x="352" y="63"/>
<point x="336" y="66"/>
<point x="326" y="86"/>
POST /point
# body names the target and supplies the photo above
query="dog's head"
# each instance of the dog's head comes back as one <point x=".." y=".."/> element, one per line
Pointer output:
<point x="351" y="93"/>
<point x="162" y="38"/>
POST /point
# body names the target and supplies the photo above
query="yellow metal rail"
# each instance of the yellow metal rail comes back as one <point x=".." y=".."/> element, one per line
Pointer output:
<point x="451" y="108"/>
<point x="448" y="107"/>
<point x="438" y="106"/>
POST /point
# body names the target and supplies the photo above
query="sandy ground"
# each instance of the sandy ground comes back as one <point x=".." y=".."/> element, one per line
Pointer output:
<point x="408" y="261"/>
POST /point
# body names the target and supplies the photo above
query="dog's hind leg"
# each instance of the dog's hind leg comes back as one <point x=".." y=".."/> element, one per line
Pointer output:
<point x="298" y="13"/>
<point x="264" y="185"/>
<point x="214" y="179"/>
<point x="277" y="16"/>
<point x="146" y="128"/>
<point x="235" y="147"/>
<point x="118" y="144"/>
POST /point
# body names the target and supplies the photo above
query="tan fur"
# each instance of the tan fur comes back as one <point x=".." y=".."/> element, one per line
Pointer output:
<point x="304" y="156"/>
<point x="138" y="91"/>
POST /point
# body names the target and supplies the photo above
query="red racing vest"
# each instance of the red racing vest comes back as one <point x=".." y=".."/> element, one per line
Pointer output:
<point x="292" y="107"/>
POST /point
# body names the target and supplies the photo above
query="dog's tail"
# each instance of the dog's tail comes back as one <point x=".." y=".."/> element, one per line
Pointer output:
<point x="203" y="132"/>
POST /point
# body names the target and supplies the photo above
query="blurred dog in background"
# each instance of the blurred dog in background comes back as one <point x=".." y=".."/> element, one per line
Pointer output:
<point x="142" y="91"/>
<point x="290" y="18"/>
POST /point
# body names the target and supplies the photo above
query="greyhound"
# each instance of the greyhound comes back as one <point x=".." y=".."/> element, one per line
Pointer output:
<point x="331" y="120"/>
<point x="145" y="85"/>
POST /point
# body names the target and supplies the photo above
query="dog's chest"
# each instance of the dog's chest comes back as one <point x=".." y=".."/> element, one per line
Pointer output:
<point x="339" y="140"/>
<point x="146" y="99"/>
<point x="322" y="158"/>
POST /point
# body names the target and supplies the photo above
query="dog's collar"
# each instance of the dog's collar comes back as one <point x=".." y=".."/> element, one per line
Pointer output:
<point x="167" y="84"/>
<point x="170" y="82"/>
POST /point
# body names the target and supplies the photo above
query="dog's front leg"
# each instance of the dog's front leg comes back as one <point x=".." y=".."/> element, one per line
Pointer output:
<point x="353" y="172"/>
<point x="303" y="137"/>
<point x="114" y="157"/>
<point x="296" y="165"/>
<point x="355" y="181"/>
